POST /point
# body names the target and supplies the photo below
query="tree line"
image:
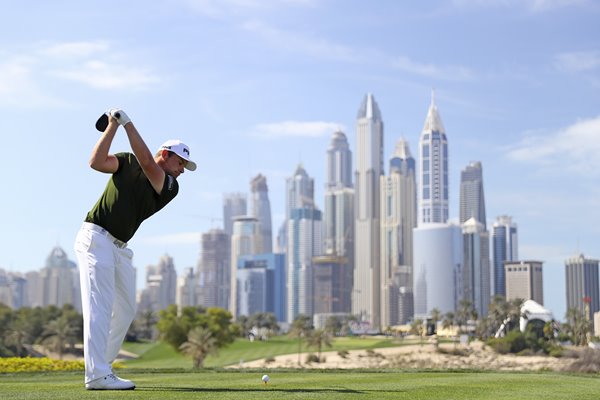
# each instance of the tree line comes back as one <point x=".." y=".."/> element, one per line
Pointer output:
<point x="199" y="332"/>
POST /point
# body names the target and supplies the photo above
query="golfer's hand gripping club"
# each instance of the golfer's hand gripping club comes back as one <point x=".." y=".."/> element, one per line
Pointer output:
<point x="119" y="115"/>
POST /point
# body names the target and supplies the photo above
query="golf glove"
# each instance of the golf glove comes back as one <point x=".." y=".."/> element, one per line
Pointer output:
<point x="119" y="115"/>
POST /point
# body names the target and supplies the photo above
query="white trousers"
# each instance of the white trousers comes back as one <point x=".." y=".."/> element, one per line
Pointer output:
<point x="107" y="297"/>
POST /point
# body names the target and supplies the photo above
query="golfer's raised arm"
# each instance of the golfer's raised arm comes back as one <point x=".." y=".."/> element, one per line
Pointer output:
<point x="100" y="160"/>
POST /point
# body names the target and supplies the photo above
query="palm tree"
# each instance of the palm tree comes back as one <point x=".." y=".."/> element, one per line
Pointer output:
<point x="147" y="322"/>
<point x="436" y="315"/>
<point x="58" y="333"/>
<point x="580" y="326"/>
<point x="300" y="328"/>
<point x="19" y="337"/>
<point x="318" y="339"/>
<point x="199" y="345"/>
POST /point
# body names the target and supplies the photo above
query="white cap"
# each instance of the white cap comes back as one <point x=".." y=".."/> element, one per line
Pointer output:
<point x="182" y="150"/>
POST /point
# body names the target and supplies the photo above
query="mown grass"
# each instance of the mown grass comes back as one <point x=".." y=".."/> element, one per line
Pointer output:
<point x="161" y="355"/>
<point x="310" y="384"/>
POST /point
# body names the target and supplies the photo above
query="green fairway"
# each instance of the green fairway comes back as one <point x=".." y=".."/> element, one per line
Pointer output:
<point x="336" y="384"/>
<point x="161" y="355"/>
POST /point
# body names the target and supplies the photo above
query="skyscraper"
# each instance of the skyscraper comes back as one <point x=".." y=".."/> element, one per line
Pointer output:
<point x="161" y="285"/>
<point x="476" y="266"/>
<point x="244" y="241"/>
<point x="261" y="210"/>
<point x="234" y="205"/>
<point x="582" y="285"/>
<point x="303" y="242"/>
<point x="433" y="169"/>
<point x="333" y="273"/>
<point x="369" y="168"/>
<point x="214" y="269"/>
<point x="398" y="219"/>
<point x="524" y="280"/>
<point x="438" y="248"/>
<point x="339" y="162"/>
<point x="472" y="201"/>
<point x="505" y="248"/>
<point x="60" y="281"/>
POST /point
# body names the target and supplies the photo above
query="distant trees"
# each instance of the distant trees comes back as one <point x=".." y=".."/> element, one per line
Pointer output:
<point x="55" y="328"/>
<point x="177" y="327"/>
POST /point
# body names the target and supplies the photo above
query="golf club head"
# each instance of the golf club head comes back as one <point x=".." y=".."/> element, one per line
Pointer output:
<point x="102" y="122"/>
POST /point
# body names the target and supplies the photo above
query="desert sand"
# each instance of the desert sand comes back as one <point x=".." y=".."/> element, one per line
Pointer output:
<point x="473" y="356"/>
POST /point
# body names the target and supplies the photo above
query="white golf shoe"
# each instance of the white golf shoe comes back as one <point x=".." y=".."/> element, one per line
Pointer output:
<point x="110" y="382"/>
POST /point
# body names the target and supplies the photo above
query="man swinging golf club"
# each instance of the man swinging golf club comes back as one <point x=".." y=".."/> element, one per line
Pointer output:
<point x="141" y="184"/>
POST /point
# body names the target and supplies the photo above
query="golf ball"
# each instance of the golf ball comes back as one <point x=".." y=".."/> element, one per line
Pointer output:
<point x="265" y="378"/>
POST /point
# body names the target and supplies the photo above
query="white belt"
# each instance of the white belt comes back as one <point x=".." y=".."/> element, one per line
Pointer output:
<point x="96" y="228"/>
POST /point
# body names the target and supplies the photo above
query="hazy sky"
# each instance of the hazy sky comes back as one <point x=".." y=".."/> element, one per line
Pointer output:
<point x="257" y="86"/>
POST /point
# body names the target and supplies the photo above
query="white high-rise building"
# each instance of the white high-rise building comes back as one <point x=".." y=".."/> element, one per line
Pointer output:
<point x="369" y="169"/>
<point x="161" y="285"/>
<point x="438" y="249"/>
<point x="433" y="169"/>
<point x="244" y="241"/>
<point x="438" y="255"/>
<point x="304" y="241"/>
<point x="185" y="293"/>
<point x="234" y="205"/>
<point x="214" y="270"/>
<point x="338" y="218"/>
<point x="261" y="210"/>
<point x="59" y="281"/>
<point x="398" y="219"/>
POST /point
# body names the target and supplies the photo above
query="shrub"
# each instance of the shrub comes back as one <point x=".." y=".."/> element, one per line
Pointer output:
<point x="310" y="358"/>
<point x="589" y="361"/>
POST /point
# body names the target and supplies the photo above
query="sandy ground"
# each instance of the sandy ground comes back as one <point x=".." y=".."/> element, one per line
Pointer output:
<point x="475" y="356"/>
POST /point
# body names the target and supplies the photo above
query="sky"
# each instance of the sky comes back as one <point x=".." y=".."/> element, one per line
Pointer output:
<point x="259" y="86"/>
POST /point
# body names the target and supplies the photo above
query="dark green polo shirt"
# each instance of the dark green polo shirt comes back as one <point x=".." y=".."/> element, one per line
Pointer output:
<point x="129" y="199"/>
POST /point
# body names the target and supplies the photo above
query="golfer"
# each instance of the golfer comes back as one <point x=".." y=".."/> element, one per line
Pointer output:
<point x="141" y="184"/>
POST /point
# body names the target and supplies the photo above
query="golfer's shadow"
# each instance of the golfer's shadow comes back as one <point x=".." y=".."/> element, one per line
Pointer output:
<point x="226" y="390"/>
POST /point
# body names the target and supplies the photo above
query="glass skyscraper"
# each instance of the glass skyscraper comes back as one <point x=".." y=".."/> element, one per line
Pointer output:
<point x="261" y="210"/>
<point x="472" y="200"/>
<point x="505" y="248"/>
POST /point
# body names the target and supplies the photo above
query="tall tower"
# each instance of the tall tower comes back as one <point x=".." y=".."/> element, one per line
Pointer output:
<point x="334" y="271"/>
<point x="438" y="247"/>
<point x="261" y="210"/>
<point x="369" y="169"/>
<point x="339" y="200"/>
<point x="234" y="205"/>
<point x="244" y="241"/>
<point x="214" y="270"/>
<point x="582" y="282"/>
<point x="433" y="169"/>
<point x="505" y="248"/>
<point x="472" y="201"/>
<point x="339" y="162"/>
<point x="476" y="267"/>
<point x="398" y="219"/>
<point x="304" y="242"/>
